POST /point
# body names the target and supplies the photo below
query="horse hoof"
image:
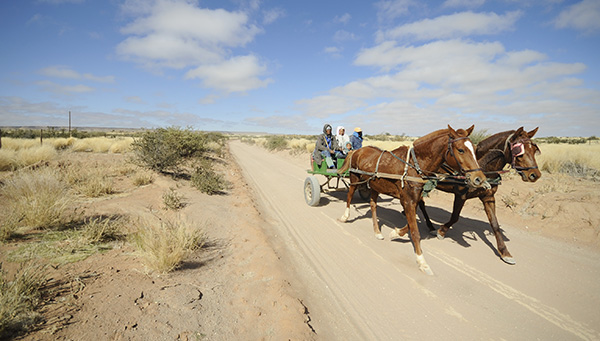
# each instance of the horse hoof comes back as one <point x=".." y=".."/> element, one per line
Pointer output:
<point x="342" y="220"/>
<point x="509" y="260"/>
<point x="426" y="269"/>
<point x="433" y="232"/>
<point x="379" y="236"/>
<point x="439" y="235"/>
<point x="393" y="235"/>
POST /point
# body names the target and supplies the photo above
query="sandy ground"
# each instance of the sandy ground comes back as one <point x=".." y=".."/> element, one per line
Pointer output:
<point x="235" y="288"/>
<point x="277" y="269"/>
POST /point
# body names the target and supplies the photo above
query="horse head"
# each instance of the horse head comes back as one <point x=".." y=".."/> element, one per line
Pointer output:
<point x="461" y="156"/>
<point x="520" y="151"/>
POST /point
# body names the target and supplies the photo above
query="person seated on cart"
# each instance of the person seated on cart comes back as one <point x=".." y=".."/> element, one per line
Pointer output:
<point x="325" y="147"/>
<point x="356" y="139"/>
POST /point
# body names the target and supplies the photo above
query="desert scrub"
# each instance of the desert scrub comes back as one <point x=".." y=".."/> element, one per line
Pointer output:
<point x="91" y="182"/>
<point x="103" y="229"/>
<point x="30" y="156"/>
<point x="35" y="199"/>
<point x="8" y="160"/>
<point x="582" y="160"/>
<point x="173" y="200"/>
<point x="142" y="178"/>
<point x="206" y="180"/>
<point x="20" y="298"/>
<point x="167" y="149"/>
<point x="276" y="142"/>
<point x="164" y="245"/>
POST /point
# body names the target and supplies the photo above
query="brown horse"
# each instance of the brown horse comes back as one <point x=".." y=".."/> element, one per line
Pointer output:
<point x="512" y="147"/>
<point x="401" y="173"/>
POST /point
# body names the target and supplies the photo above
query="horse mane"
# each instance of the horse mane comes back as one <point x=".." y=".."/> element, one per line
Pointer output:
<point x="493" y="160"/>
<point x="495" y="141"/>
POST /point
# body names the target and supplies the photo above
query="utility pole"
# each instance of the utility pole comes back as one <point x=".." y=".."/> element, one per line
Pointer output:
<point x="69" y="123"/>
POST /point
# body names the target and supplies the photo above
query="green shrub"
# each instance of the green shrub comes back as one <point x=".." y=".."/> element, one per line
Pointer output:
<point x="276" y="142"/>
<point x="167" y="149"/>
<point x="206" y="180"/>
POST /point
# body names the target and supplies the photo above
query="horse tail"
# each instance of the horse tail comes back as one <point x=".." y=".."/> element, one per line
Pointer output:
<point x="347" y="163"/>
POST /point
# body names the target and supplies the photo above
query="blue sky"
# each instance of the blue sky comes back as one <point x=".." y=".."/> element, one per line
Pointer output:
<point x="396" y="66"/>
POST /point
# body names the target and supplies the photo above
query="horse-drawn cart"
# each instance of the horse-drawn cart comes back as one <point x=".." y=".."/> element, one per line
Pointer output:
<point x="313" y="189"/>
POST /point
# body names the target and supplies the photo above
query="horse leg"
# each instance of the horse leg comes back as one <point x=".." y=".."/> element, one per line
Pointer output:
<point x="411" y="217"/>
<point x="351" y="190"/>
<point x="489" y="204"/>
<point x="427" y="220"/>
<point x="373" y="204"/>
<point x="459" y="203"/>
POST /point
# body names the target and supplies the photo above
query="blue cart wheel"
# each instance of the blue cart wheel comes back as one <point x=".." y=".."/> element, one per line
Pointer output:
<point x="312" y="191"/>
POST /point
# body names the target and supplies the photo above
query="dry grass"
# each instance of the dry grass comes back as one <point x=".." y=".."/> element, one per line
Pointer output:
<point x="8" y="160"/>
<point x="572" y="159"/>
<point x="34" y="199"/>
<point x="164" y="245"/>
<point x="143" y="177"/>
<point x="91" y="182"/>
<point x="173" y="200"/>
<point x="20" y="298"/>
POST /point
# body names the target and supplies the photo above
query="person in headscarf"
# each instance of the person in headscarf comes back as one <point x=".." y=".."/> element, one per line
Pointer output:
<point x="356" y="139"/>
<point x="342" y="139"/>
<point x="325" y="147"/>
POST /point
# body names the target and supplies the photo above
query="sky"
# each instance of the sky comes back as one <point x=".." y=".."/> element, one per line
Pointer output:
<point x="289" y="67"/>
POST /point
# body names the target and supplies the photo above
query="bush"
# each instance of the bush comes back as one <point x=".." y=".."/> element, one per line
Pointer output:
<point x="276" y="143"/>
<point x="173" y="200"/>
<point x="167" y="149"/>
<point x="206" y="180"/>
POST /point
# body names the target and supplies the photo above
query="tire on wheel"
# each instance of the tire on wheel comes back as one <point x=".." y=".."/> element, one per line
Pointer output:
<point x="312" y="191"/>
<point x="364" y="192"/>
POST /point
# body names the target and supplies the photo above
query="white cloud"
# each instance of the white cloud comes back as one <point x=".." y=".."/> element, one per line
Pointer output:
<point x="342" y="19"/>
<point x="342" y="35"/>
<point x="333" y="51"/>
<point x="238" y="74"/>
<point x="327" y="105"/>
<point x="272" y="15"/>
<point x="584" y="16"/>
<point x="459" y="82"/>
<point x="455" y="25"/>
<point x="463" y="3"/>
<point x="59" y="71"/>
<point x="58" y="89"/>
<point x="388" y="10"/>
<point x="179" y="34"/>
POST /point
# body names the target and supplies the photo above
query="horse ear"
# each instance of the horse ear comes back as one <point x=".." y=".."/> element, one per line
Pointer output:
<point x="451" y="132"/>
<point x="531" y="133"/>
<point x="519" y="131"/>
<point x="470" y="130"/>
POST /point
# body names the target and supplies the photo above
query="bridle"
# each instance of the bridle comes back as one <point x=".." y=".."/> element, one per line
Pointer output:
<point x="517" y="148"/>
<point x="451" y="151"/>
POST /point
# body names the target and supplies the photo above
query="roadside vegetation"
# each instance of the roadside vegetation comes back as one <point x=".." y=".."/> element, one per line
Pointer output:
<point x="44" y="189"/>
<point x="578" y="157"/>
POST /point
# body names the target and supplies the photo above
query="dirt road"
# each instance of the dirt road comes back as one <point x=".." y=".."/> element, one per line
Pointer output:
<point x="358" y="287"/>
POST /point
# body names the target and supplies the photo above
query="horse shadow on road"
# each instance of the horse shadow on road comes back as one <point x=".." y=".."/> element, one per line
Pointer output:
<point x="390" y="215"/>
